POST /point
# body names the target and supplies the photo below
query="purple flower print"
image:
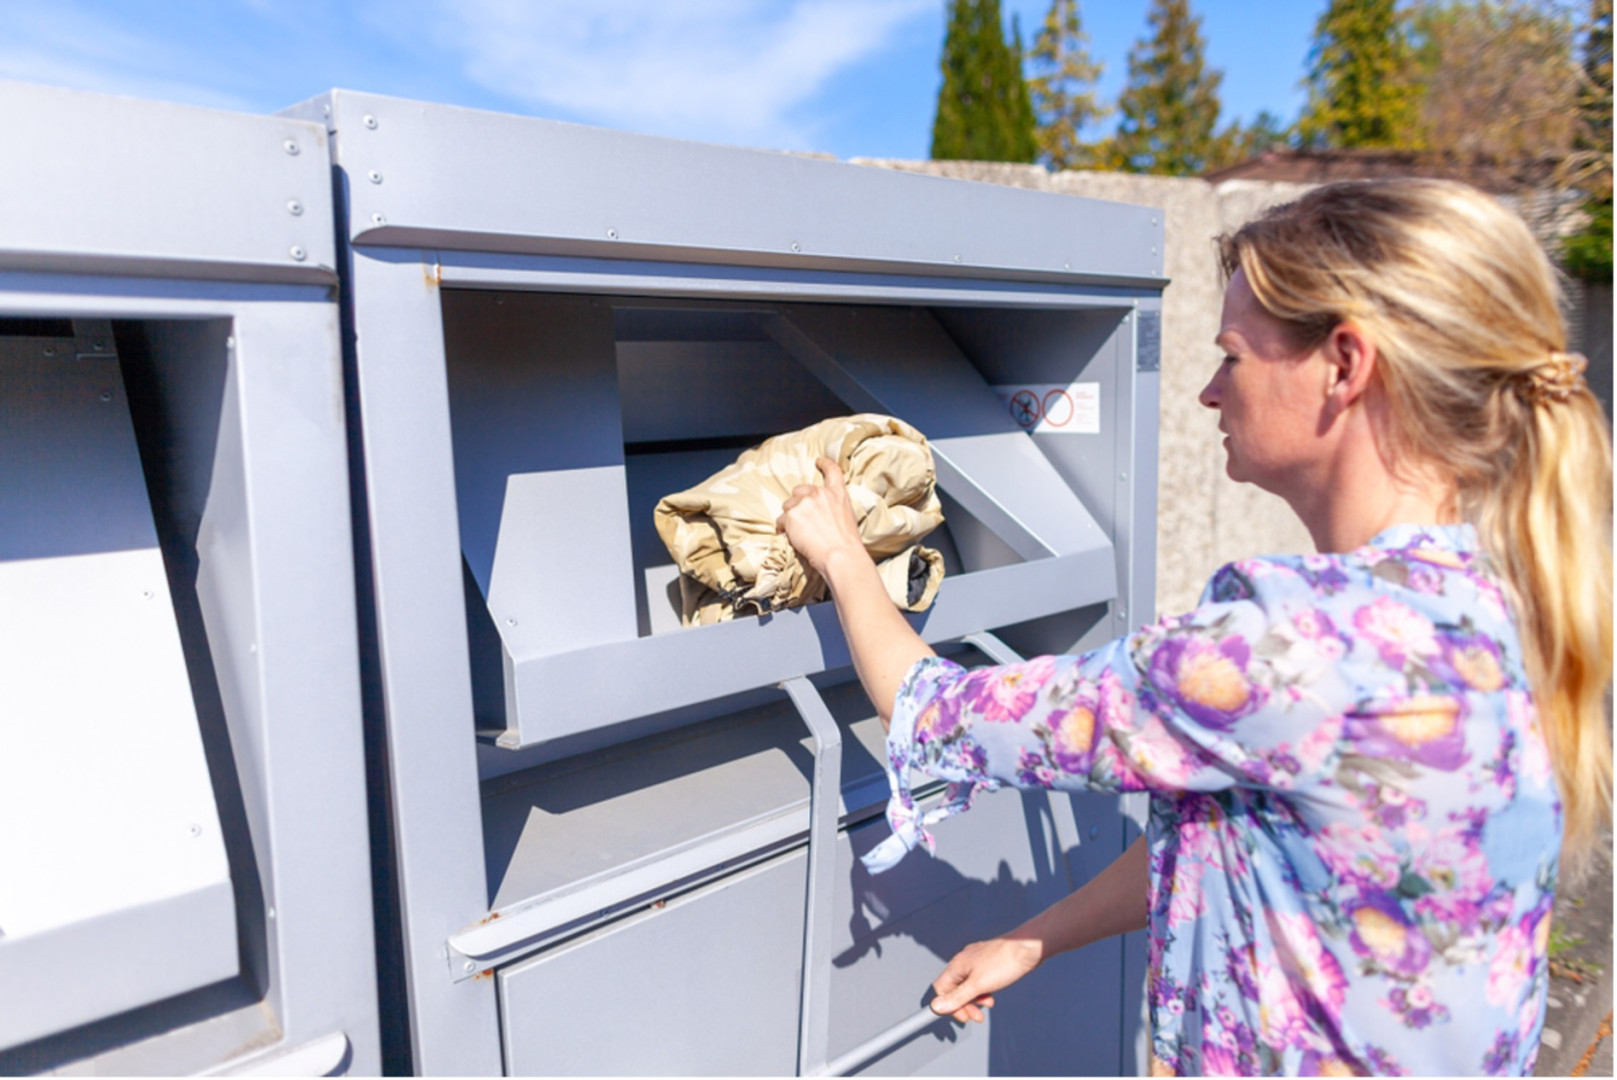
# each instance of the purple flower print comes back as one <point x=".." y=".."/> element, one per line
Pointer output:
<point x="1383" y="935"/>
<point x="1317" y="1063"/>
<point x="1501" y="1057"/>
<point x="1325" y="574"/>
<point x="1415" y="1006"/>
<point x="1399" y="632"/>
<point x="1207" y="679"/>
<point x="1004" y="694"/>
<point x="1072" y="728"/>
<point x="1425" y="729"/>
<point x="1470" y="660"/>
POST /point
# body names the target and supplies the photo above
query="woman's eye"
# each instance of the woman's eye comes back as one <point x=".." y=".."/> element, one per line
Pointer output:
<point x="1228" y="359"/>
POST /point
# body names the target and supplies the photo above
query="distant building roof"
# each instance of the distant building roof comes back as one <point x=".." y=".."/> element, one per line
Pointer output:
<point x="1325" y="166"/>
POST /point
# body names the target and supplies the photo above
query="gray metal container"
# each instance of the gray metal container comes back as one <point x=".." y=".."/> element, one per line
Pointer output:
<point x="625" y="847"/>
<point x="184" y="865"/>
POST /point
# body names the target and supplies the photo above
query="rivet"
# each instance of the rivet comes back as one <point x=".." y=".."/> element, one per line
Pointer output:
<point x="611" y="234"/>
<point x="106" y="395"/>
<point x="230" y="342"/>
<point x="468" y="966"/>
<point x="510" y="622"/>
<point x="796" y="246"/>
<point x="370" y="121"/>
<point x="294" y="207"/>
<point x="1122" y="476"/>
<point x="375" y="177"/>
<point x="1066" y="266"/>
<point x="147" y="594"/>
<point x="196" y="830"/>
<point x="98" y="345"/>
<point x="957" y="258"/>
<point x="50" y="350"/>
<point x="1094" y="831"/>
<point x="270" y="913"/>
<point x="378" y="219"/>
<point x="291" y="147"/>
<point x="298" y="253"/>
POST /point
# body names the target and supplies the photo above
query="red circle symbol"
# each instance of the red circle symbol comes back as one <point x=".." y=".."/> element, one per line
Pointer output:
<point x="1025" y="408"/>
<point x="1058" y="408"/>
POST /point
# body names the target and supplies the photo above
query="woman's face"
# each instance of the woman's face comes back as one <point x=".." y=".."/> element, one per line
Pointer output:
<point x="1270" y="397"/>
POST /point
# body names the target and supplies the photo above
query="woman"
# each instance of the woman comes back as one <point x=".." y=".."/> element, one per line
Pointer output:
<point x="1362" y="762"/>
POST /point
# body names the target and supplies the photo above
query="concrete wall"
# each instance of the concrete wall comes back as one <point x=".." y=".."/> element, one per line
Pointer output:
<point x="1203" y="518"/>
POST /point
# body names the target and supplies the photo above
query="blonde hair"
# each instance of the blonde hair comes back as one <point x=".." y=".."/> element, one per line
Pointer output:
<point x="1463" y="306"/>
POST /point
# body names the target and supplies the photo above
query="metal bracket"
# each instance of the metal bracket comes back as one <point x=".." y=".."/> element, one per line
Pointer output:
<point x="814" y="1024"/>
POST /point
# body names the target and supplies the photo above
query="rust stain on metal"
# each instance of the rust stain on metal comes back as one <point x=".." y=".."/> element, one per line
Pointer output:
<point x="433" y="273"/>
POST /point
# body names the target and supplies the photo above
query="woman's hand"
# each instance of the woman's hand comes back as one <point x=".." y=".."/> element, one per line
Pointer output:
<point x="818" y="521"/>
<point x="967" y="985"/>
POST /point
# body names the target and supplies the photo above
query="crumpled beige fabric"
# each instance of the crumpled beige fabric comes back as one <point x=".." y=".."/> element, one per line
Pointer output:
<point x="722" y="536"/>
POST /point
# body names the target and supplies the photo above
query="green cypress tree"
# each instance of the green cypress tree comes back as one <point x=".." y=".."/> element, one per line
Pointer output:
<point x="1170" y="106"/>
<point x="1063" y="88"/>
<point x="984" y="112"/>
<point x="1588" y="251"/>
<point x="1362" y="89"/>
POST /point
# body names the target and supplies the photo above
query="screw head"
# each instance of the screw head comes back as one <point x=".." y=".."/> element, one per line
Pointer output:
<point x="230" y="342"/>
<point x="98" y="345"/>
<point x="796" y="246"/>
<point x="468" y="966"/>
<point x="370" y="121"/>
<point x="378" y="219"/>
<point x="294" y="207"/>
<point x="374" y="176"/>
<point x="298" y="253"/>
<point x="1066" y="266"/>
<point x="50" y="350"/>
<point x="611" y="234"/>
<point x="147" y="594"/>
<point x="957" y="258"/>
<point x="196" y="831"/>
<point x="106" y="395"/>
<point x="291" y="147"/>
<point x="510" y="622"/>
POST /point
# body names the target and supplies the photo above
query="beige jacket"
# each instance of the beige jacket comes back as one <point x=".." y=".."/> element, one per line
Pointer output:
<point x="722" y="536"/>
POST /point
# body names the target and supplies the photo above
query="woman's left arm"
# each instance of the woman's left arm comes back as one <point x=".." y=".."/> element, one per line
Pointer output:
<point x="819" y="522"/>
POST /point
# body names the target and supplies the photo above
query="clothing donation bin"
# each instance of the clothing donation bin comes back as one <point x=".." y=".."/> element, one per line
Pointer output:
<point x="184" y="864"/>
<point x="615" y="845"/>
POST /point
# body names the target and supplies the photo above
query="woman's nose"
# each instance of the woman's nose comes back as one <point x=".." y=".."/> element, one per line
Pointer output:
<point x="1210" y="393"/>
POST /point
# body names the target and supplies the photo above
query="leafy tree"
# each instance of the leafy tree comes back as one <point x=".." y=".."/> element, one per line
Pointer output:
<point x="1360" y="78"/>
<point x="984" y="111"/>
<point x="1063" y="88"/>
<point x="1170" y="106"/>
<point x="1588" y="252"/>
<point x="1240" y="141"/>
<point x="1498" y="78"/>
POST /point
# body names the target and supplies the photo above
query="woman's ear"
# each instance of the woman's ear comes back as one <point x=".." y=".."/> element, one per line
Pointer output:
<point x="1351" y="355"/>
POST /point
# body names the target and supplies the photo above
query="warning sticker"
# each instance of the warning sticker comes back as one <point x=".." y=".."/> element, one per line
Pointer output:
<point x="1051" y="408"/>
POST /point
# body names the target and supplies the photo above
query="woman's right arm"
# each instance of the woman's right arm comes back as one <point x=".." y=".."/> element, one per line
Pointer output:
<point x="1112" y="902"/>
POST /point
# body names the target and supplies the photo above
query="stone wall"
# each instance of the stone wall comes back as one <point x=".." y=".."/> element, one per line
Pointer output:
<point x="1203" y="518"/>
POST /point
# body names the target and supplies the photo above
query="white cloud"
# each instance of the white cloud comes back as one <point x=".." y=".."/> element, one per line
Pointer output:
<point x="62" y="44"/>
<point x="725" y="70"/>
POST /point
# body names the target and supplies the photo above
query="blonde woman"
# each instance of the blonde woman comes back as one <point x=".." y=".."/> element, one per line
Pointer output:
<point x="1367" y="763"/>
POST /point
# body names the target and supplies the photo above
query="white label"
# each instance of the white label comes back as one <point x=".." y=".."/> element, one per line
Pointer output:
<point x="1053" y="409"/>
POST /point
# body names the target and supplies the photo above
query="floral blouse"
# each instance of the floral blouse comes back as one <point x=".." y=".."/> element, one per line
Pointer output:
<point x="1354" y="828"/>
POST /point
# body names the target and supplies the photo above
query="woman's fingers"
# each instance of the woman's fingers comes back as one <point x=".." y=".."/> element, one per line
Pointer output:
<point x="832" y="473"/>
<point x="968" y="983"/>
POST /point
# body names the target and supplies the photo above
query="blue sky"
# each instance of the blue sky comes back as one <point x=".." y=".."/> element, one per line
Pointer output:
<point x="845" y="77"/>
